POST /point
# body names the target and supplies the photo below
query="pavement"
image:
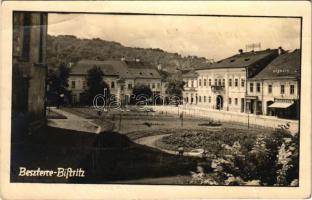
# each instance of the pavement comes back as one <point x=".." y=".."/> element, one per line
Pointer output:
<point x="73" y="122"/>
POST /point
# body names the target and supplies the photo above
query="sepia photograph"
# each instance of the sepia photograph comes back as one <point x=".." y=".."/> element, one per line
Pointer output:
<point x="170" y="99"/>
<point x="151" y="100"/>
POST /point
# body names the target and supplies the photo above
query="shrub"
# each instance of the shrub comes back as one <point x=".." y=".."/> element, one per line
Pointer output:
<point x="272" y="160"/>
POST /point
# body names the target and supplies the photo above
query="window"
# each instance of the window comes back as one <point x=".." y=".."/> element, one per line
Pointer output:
<point x="129" y="86"/>
<point x="204" y="98"/>
<point x="199" y="99"/>
<point x="84" y="84"/>
<point x="122" y="87"/>
<point x="230" y="100"/>
<point x="199" y="82"/>
<point x="258" y="87"/>
<point x="292" y="89"/>
<point x="230" y="82"/>
<point x="223" y="82"/>
<point x="153" y="85"/>
<point x="216" y="82"/>
<point x="112" y="84"/>
<point x="242" y="82"/>
<point x="192" y="83"/>
<point x="236" y="101"/>
<point x="205" y="82"/>
<point x="251" y="87"/>
<point x="236" y="82"/>
<point x="220" y="82"/>
<point x="282" y="89"/>
<point x="73" y="84"/>
<point x="209" y="99"/>
<point x="158" y="85"/>
<point x="209" y="82"/>
<point x="270" y="89"/>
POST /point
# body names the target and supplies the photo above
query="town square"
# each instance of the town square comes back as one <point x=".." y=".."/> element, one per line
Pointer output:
<point x="154" y="102"/>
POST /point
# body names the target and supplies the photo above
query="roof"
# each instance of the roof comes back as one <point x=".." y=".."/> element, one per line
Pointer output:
<point x="122" y="69"/>
<point x="286" y="65"/>
<point x="244" y="59"/>
<point x="189" y="74"/>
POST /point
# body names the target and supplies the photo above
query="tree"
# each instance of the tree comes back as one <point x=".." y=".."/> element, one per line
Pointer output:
<point x="175" y="88"/>
<point x="57" y="85"/>
<point x="141" y="91"/>
<point x="95" y="85"/>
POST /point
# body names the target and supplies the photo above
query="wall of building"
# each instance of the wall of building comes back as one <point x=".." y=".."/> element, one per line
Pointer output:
<point x="29" y="67"/>
<point x="77" y="84"/>
<point x="266" y="97"/>
<point x="190" y="90"/>
<point x="207" y="94"/>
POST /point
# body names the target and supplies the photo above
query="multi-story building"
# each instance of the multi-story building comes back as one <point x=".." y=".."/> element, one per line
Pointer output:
<point x="223" y="85"/>
<point x="190" y="88"/>
<point x="121" y="76"/>
<point x="29" y="70"/>
<point x="275" y="90"/>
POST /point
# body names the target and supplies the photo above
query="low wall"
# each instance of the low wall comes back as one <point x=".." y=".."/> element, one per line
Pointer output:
<point x="259" y="120"/>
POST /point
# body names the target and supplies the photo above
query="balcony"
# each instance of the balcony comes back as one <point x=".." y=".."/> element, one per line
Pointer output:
<point x="217" y="88"/>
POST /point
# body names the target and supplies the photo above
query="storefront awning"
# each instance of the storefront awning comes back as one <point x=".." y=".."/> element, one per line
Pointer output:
<point x="281" y="104"/>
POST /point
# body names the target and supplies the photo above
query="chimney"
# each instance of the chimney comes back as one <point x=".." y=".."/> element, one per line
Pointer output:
<point x="240" y="51"/>
<point x="280" y="50"/>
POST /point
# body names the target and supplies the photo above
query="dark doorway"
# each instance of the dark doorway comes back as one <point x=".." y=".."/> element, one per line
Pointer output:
<point x="219" y="100"/>
<point x="242" y="105"/>
<point x="270" y="111"/>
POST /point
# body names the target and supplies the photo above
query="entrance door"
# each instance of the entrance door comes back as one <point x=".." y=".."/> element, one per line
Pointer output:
<point x="219" y="102"/>
<point x="242" y="104"/>
<point x="270" y="111"/>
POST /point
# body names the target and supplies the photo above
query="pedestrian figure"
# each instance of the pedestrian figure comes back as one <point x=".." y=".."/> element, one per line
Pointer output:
<point x="180" y="151"/>
<point x="181" y="117"/>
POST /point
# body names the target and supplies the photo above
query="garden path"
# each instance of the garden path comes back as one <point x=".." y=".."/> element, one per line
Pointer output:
<point x="73" y="122"/>
<point x="151" y="142"/>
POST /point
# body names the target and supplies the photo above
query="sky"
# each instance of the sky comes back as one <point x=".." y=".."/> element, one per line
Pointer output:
<point x="204" y="36"/>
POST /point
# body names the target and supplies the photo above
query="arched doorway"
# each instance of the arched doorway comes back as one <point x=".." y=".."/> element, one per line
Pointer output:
<point x="219" y="102"/>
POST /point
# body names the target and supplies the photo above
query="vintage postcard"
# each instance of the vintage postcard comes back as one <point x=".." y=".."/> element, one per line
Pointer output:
<point x="155" y="100"/>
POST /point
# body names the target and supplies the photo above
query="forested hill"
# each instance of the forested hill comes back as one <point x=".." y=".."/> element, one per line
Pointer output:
<point x="71" y="49"/>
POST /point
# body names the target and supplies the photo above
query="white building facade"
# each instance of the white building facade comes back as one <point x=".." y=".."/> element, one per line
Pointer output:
<point x="276" y="89"/>
<point x="121" y="77"/>
<point x="230" y="85"/>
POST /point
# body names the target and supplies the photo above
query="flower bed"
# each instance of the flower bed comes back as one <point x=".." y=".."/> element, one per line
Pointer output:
<point x="210" y="140"/>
